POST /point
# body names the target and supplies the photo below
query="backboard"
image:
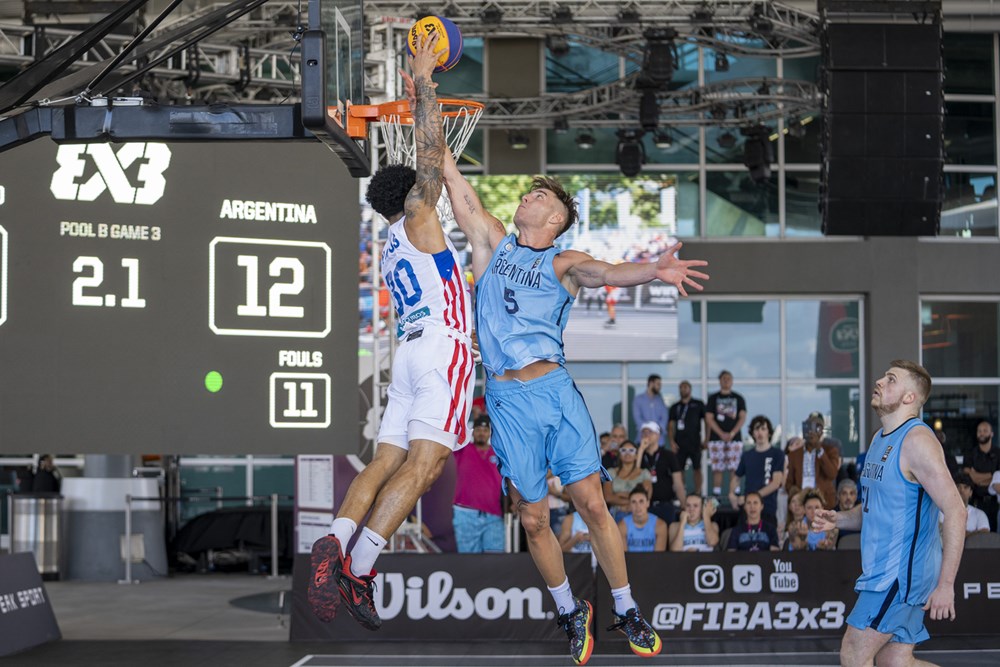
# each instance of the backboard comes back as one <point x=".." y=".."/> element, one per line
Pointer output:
<point x="333" y="75"/>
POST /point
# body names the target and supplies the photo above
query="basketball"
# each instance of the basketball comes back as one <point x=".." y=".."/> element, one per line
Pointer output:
<point x="449" y="42"/>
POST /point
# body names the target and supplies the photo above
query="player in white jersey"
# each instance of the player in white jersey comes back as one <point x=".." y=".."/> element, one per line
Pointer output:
<point x="907" y="566"/>
<point x="432" y="374"/>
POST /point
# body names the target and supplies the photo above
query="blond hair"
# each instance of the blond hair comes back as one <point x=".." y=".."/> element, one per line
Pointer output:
<point x="921" y="378"/>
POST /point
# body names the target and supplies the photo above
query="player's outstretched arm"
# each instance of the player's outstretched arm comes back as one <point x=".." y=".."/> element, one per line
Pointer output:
<point x="483" y="230"/>
<point x="422" y="222"/>
<point x="585" y="271"/>
<point x="923" y="457"/>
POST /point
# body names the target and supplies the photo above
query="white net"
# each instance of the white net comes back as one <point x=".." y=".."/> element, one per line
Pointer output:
<point x="395" y="123"/>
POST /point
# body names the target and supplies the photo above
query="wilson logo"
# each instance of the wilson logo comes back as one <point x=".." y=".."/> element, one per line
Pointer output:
<point x="437" y="599"/>
<point x="70" y="180"/>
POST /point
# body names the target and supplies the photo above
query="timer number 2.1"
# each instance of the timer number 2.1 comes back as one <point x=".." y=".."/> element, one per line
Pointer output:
<point x="90" y="275"/>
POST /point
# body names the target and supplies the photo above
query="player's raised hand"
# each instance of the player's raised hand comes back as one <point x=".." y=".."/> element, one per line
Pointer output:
<point x="679" y="272"/>
<point x="824" y="520"/>
<point x="424" y="61"/>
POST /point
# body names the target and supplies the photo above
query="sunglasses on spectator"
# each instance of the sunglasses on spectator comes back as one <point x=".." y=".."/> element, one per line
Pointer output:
<point x="627" y="450"/>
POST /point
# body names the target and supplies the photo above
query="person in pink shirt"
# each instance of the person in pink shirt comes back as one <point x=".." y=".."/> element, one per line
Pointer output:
<point x="478" y="510"/>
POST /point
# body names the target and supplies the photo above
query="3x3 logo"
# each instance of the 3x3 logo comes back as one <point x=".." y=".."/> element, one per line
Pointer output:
<point x="111" y="172"/>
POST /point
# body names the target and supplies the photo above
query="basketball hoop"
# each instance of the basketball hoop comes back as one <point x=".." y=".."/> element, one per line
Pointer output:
<point x="395" y="123"/>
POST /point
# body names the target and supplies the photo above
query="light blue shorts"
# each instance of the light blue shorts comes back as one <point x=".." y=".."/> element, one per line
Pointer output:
<point x="885" y="612"/>
<point x="541" y="424"/>
<point x="477" y="531"/>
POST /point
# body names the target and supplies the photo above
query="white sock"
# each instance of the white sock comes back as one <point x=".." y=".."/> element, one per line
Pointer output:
<point x="364" y="553"/>
<point x="343" y="529"/>
<point x="623" y="599"/>
<point x="563" y="597"/>
<point x="716" y="490"/>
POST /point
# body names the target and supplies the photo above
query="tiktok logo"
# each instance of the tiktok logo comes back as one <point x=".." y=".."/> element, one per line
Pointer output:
<point x="110" y="173"/>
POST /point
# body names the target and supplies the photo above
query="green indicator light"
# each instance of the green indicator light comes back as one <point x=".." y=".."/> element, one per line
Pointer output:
<point x="213" y="381"/>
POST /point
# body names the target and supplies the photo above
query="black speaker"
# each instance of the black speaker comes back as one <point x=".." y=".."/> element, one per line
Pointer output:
<point x="883" y="144"/>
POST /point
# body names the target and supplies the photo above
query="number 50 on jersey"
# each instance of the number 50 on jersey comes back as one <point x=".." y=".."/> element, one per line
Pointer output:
<point x="269" y="287"/>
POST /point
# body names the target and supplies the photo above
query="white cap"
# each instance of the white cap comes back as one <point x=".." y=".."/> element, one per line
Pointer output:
<point x="651" y="426"/>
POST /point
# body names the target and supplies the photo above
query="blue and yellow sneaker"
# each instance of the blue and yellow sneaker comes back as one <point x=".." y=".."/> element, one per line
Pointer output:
<point x="578" y="625"/>
<point x="642" y="638"/>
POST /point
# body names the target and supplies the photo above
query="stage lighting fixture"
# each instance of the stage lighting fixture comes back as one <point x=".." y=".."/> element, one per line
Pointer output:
<point x="561" y="126"/>
<point x="662" y="140"/>
<point x="721" y="62"/>
<point x="630" y="154"/>
<point x="561" y="15"/>
<point x="757" y="153"/>
<point x="558" y="45"/>
<point x="658" y="56"/>
<point x="649" y="110"/>
<point x="726" y="140"/>
<point x="517" y="140"/>
<point x="760" y="24"/>
<point x="629" y="15"/>
<point x="491" y="15"/>
<point x="585" y="140"/>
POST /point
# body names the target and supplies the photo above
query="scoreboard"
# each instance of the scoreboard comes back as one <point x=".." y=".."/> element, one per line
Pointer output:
<point x="178" y="298"/>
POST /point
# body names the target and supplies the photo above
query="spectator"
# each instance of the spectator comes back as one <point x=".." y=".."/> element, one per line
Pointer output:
<point x="624" y="478"/>
<point x="665" y="474"/>
<point x="608" y="456"/>
<point x="618" y="436"/>
<point x="977" y="522"/>
<point x="25" y="479"/>
<point x="574" y="536"/>
<point x="949" y="458"/>
<point x="754" y="534"/>
<point x="642" y="530"/>
<point x="48" y="479"/>
<point x="979" y="465"/>
<point x="649" y="406"/>
<point x="813" y="461"/>
<point x="696" y="531"/>
<point x="725" y="413"/>
<point x="805" y="539"/>
<point x="558" y="502"/>
<point x="478" y="510"/>
<point x="796" y="514"/>
<point x="847" y="495"/>
<point x="686" y="418"/>
<point x="762" y="469"/>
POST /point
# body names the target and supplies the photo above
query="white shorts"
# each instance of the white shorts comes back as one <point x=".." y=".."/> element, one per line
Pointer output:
<point x="430" y="394"/>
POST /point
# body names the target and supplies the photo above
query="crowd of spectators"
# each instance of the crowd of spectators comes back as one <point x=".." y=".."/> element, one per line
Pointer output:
<point x="773" y="492"/>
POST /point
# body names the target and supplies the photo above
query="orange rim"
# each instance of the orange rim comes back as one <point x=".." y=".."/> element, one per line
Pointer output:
<point x="360" y="115"/>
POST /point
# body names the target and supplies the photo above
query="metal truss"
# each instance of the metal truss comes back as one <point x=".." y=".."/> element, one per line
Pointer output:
<point x="735" y="103"/>
<point x="206" y="71"/>
<point x="749" y="27"/>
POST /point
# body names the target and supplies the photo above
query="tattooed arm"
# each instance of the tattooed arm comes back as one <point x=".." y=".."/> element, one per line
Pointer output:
<point x="423" y="226"/>
<point x="483" y="230"/>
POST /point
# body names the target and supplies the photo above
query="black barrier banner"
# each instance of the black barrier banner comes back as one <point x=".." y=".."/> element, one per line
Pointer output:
<point x="778" y="594"/>
<point x="26" y="617"/>
<point x="447" y="597"/>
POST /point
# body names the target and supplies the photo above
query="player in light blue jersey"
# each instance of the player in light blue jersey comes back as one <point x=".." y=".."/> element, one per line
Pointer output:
<point x="907" y="566"/>
<point x="525" y="287"/>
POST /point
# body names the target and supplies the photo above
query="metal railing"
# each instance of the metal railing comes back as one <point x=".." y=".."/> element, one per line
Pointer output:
<point x="129" y="499"/>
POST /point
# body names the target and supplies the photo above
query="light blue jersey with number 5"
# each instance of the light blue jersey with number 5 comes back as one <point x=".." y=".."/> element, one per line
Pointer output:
<point x="521" y="308"/>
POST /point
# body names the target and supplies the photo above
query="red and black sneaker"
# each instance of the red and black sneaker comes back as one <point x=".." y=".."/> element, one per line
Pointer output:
<point x="327" y="564"/>
<point x="357" y="594"/>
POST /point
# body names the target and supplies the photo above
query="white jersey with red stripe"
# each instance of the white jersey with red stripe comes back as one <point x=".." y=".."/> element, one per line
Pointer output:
<point x="433" y="371"/>
<point x="427" y="289"/>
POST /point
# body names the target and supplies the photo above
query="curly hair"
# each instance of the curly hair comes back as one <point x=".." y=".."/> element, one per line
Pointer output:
<point x="388" y="188"/>
<point x="553" y="184"/>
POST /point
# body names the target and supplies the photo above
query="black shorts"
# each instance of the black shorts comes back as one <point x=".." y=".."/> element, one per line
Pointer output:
<point x="686" y="451"/>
